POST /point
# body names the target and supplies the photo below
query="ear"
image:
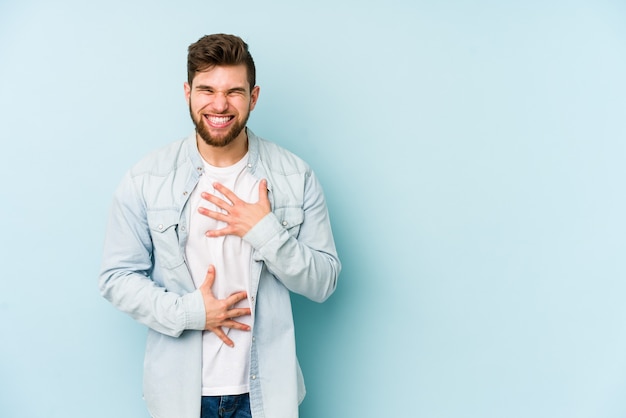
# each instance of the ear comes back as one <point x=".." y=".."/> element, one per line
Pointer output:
<point x="187" y="91"/>
<point x="254" y="96"/>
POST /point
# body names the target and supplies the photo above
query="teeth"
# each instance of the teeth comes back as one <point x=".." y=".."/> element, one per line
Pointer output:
<point x="218" y="120"/>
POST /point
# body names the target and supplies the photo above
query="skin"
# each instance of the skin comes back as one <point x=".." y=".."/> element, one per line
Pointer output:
<point x="220" y="101"/>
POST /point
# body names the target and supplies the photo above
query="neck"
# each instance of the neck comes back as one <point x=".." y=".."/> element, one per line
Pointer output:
<point x="224" y="156"/>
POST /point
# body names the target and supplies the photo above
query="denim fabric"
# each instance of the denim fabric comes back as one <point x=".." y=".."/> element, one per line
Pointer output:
<point x="144" y="273"/>
<point x="232" y="406"/>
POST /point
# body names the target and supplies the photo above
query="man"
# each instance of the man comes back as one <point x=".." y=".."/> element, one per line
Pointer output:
<point x="206" y="238"/>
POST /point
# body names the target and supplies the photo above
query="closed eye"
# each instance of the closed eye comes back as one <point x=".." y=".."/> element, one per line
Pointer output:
<point x="204" y="89"/>
<point x="237" y="92"/>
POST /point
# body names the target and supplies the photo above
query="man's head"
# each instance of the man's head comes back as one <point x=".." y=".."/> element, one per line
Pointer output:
<point x="219" y="50"/>
<point x="220" y="90"/>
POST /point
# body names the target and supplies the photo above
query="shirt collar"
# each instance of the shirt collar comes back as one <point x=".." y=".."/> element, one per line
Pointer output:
<point x="253" y="150"/>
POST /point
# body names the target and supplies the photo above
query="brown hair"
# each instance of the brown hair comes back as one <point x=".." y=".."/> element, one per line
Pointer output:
<point x="217" y="50"/>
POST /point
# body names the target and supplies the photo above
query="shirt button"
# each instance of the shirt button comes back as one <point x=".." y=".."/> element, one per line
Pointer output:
<point x="182" y="228"/>
<point x="253" y="377"/>
<point x="249" y="165"/>
<point x="160" y="227"/>
<point x="284" y="223"/>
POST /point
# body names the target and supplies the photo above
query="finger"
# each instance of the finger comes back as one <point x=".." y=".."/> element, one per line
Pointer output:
<point x="216" y="200"/>
<point x="220" y="232"/>
<point x="230" y="195"/>
<point x="238" y="325"/>
<point x="218" y="216"/>
<point x="237" y="312"/>
<point x="263" y="192"/>
<point x="222" y="336"/>
<point x="209" y="278"/>
<point x="236" y="298"/>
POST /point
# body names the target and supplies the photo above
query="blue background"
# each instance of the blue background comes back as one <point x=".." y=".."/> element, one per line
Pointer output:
<point x="472" y="154"/>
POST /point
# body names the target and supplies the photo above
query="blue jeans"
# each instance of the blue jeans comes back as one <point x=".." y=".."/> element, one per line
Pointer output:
<point x="231" y="406"/>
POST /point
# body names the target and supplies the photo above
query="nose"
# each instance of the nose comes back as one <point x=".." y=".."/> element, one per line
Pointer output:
<point x="220" y="102"/>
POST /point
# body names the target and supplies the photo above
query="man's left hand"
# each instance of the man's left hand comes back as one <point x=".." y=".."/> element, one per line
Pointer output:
<point x="239" y="216"/>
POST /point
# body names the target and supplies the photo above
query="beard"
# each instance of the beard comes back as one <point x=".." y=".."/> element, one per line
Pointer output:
<point x="217" y="141"/>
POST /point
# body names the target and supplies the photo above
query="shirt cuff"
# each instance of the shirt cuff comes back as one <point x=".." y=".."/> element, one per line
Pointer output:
<point x="266" y="229"/>
<point x="193" y="307"/>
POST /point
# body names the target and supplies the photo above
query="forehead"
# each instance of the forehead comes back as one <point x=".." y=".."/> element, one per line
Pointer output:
<point x="222" y="77"/>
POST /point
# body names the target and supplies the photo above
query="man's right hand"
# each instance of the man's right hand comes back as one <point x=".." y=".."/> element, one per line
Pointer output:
<point x="220" y="312"/>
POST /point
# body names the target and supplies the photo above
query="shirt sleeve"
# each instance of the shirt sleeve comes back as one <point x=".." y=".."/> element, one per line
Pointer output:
<point x="127" y="265"/>
<point x="297" y="244"/>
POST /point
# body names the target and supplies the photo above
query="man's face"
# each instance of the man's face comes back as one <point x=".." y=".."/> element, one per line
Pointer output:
<point x="220" y="102"/>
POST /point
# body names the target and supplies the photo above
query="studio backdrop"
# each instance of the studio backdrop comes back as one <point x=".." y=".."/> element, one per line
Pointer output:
<point x="472" y="155"/>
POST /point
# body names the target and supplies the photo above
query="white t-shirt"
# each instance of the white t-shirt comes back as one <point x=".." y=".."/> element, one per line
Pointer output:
<point x="225" y="370"/>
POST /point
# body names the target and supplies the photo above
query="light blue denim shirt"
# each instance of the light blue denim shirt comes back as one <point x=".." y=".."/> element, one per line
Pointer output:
<point x="144" y="274"/>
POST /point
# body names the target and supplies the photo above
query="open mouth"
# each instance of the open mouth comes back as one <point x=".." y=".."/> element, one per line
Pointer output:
<point x="218" y="121"/>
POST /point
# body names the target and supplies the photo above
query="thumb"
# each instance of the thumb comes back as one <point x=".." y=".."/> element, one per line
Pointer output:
<point x="209" y="279"/>
<point x="263" y="197"/>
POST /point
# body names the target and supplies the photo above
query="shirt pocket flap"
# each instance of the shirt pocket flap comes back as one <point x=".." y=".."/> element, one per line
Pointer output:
<point x="290" y="218"/>
<point x="160" y="221"/>
<point x="166" y="249"/>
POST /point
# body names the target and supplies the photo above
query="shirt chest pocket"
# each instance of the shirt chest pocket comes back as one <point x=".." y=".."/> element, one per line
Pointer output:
<point x="290" y="218"/>
<point x="166" y="251"/>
